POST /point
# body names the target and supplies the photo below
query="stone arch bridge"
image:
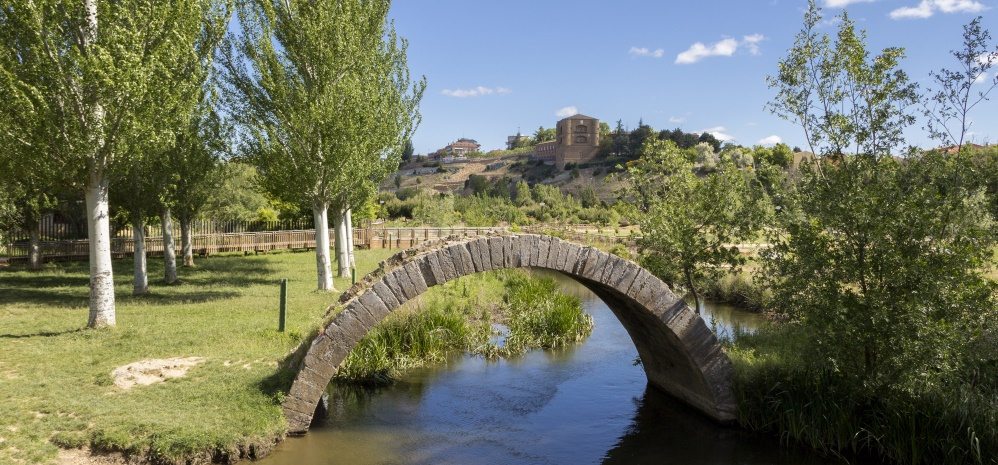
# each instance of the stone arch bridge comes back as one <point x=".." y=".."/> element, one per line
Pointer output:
<point x="679" y="353"/>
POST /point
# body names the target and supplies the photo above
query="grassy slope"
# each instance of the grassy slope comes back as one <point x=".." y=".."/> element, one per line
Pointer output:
<point x="55" y="377"/>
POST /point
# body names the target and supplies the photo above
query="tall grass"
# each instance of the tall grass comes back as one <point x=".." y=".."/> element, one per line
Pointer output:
<point x="739" y="290"/>
<point x="459" y="317"/>
<point x="943" y="425"/>
<point x="408" y="340"/>
<point x="538" y="316"/>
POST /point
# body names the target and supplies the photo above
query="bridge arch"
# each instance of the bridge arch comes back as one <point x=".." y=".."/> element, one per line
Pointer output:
<point x="679" y="353"/>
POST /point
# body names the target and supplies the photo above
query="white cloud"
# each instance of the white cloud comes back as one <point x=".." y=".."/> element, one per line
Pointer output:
<point x="844" y="3"/>
<point x="475" y="92"/>
<point x="699" y="51"/>
<point x="927" y="8"/>
<point x="752" y="42"/>
<point x="645" y="52"/>
<point x="720" y="132"/>
<point x="723" y="48"/>
<point x="677" y="119"/>
<point x="566" y="112"/>
<point x="771" y="140"/>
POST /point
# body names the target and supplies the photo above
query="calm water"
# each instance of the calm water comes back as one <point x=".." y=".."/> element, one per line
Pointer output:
<point x="586" y="405"/>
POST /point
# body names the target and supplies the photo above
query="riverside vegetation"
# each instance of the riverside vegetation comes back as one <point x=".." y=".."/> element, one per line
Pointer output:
<point x="468" y="315"/>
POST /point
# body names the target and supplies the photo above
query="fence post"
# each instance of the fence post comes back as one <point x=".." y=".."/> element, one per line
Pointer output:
<point x="284" y="305"/>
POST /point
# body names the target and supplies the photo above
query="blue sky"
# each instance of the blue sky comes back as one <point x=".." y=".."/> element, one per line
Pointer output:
<point x="493" y="67"/>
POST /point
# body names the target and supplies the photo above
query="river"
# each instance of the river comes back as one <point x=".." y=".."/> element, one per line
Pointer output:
<point x="587" y="404"/>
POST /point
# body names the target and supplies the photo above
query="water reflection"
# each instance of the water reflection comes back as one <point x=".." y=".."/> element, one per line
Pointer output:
<point x="586" y="404"/>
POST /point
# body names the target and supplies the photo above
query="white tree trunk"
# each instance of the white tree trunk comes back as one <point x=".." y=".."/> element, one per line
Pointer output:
<point x="342" y="255"/>
<point x="101" y="274"/>
<point x="324" y="269"/>
<point x="350" y="248"/>
<point x="186" y="246"/>
<point x="140" y="273"/>
<point x="35" y="247"/>
<point x="169" y="248"/>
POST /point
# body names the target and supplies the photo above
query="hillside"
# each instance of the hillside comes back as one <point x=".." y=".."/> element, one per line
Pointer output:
<point x="453" y="177"/>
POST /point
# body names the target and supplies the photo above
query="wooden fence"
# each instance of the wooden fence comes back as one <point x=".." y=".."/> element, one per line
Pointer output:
<point x="246" y="242"/>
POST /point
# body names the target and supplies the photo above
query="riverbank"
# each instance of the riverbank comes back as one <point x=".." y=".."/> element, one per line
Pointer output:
<point x="58" y="390"/>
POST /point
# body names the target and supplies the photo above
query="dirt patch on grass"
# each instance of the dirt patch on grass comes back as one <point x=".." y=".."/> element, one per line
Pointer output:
<point x="85" y="457"/>
<point x="152" y="371"/>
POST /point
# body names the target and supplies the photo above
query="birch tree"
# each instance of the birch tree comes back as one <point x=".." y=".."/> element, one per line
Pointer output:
<point x="197" y="161"/>
<point x="96" y="77"/>
<point x="318" y="89"/>
<point x="137" y="195"/>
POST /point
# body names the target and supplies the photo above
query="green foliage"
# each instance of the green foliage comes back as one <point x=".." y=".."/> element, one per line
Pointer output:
<point x="479" y="210"/>
<point x="865" y="101"/>
<point x="878" y="270"/>
<point x="958" y="92"/>
<point x="544" y="135"/>
<point x="739" y="289"/>
<point x="521" y="195"/>
<point x="434" y="210"/>
<point x="778" y="392"/>
<point x="239" y="198"/>
<point x="882" y="262"/>
<point x="322" y="93"/>
<point x="588" y="198"/>
<point x="689" y="223"/>
<point x="85" y="100"/>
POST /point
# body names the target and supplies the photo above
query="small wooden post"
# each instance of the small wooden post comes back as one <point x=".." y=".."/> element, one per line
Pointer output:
<point x="284" y="305"/>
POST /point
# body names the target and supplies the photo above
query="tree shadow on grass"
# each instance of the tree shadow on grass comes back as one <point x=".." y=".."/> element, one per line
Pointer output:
<point x="66" y="285"/>
<point x="42" y="334"/>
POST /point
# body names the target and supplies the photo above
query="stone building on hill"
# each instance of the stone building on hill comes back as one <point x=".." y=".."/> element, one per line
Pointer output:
<point x="458" y="148"/>
<point x="576" y="142"/>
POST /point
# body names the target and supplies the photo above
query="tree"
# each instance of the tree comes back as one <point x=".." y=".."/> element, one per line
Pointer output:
<point x="239" y="197"/>
<point x="545" y="135"/>
<point x="620" y="140"/>
<point x="844" y="101"/>
<point x="407" y="151"/>
<point x="94" y="83"/>
<point x="321" y="92"/>
<point x="137" y="195"/>
<point x="638" y="136"/>
<point x="948" y="108"/>
<point x="521" y="195"/>
<point x="878" y="260"/>
<point x="691" y="223"/>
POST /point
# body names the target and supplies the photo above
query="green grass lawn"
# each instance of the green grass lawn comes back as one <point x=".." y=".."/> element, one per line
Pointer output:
<point x="55" y="376"/>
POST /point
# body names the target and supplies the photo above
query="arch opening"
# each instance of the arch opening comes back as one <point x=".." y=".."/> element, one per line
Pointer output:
<point x="679" y="353"/>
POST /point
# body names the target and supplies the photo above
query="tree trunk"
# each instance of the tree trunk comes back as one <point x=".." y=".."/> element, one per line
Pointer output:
<point x="186" y="246"/>
<point x="35" y="246"/>
<point x="342" y="255"/>
<point x="101" y="275"/>
<point x="693" y="290"/>
<point x="169" y="248"/>
<point x="324" y="269"/>
<point x="141" y="274"/>
<point x="350" y="249"/>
